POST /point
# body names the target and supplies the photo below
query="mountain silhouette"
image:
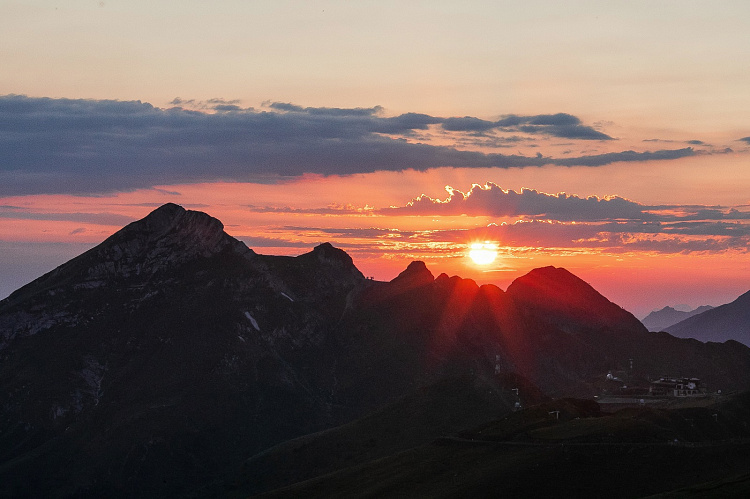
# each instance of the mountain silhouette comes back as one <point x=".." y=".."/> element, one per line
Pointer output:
<point x="161" y="360"/>
<point x="660" y="320"/>
<point x="559" y="297"/>
<point x="723" y="323"/>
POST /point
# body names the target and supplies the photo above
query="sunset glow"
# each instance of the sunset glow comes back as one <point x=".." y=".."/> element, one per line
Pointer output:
<point x="608" y="139"/>
<point x="483" y="253"/>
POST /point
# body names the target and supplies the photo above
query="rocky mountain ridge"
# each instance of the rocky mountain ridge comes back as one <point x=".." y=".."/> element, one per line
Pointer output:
<point x="159" y="361"/>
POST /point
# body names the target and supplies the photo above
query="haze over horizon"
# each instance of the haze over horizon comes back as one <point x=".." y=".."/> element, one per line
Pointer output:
<point x="609" y="139"/>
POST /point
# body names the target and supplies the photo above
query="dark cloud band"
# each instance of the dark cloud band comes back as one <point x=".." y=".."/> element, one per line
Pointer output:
<point x="95" y="146"/>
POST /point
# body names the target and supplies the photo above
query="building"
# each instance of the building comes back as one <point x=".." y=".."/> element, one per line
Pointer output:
<point x="676" y="387"/>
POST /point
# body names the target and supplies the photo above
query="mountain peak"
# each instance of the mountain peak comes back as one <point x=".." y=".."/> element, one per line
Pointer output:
<point x="559" y="295"/>
<point x="171" y="229"/>
<point x="164" y="214"/>
<point x="326" y="255"/>
<point x="174" y="220"/>
<point x="550" y="272"/>
<point x="168" y="236"/>
<point x="327" y="251"/>
<point x="556" y="282"/>
<point x="416" y="274"/>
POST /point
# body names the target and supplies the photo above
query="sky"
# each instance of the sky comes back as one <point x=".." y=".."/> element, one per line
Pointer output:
<point x="609" y="138"/>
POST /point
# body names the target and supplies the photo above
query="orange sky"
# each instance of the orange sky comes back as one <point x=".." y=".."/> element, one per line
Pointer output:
<point x="293" y="217"/>
<point x="301" y="122"/>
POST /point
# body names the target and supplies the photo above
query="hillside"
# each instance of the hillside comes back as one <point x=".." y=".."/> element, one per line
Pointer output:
<point x="563" y="448"/>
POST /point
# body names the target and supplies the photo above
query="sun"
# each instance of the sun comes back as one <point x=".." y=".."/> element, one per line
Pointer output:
<point x="483" y="253"/>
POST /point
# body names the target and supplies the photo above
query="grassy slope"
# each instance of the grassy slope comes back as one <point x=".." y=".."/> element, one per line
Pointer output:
<point x="444" y="408"/>
<point x="583" y="454"/>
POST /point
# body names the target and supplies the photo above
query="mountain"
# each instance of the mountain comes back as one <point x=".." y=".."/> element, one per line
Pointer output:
<point x="162" y="357"/>
<point x="660" y="320"/>
<point x="558" y="297"/>
<point x="723" y="323"/>
<point x="161" y="361"/>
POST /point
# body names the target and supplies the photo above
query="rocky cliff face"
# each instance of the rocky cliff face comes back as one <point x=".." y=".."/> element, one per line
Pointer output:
<point x="164" y="357"/>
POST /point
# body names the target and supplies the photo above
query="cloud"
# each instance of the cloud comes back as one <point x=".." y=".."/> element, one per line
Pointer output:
<point x="551" y="236"/>
<point x="614" y="238"/>
<point x="613" y="223"/>
<point x="354" y="232"/>
<point x="79" y="146"/>
<point x="627" y="156"/>
<point x="567" y="131"/>
<point x="269" y="242"/>
<point x="745" y="139"/>
<point x="491" y="200"/>
<point x="215" y="104"/>
<point x="468" y="124"/>
<point x="557" y="125"/>
<point x="333" y="209"/>
<point x="326" y="111"/>
<point x="21" y="213"/>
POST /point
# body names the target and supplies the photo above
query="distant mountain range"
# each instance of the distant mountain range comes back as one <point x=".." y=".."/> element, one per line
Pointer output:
<point x="660" y="320"/>
<point x="726" y="322"/>
<point x="706" y="323"/>
<point x="161" y="361"/>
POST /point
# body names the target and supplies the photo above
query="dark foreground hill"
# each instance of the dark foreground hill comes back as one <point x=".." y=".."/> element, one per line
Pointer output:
<point x="444" y="408"/>
<point x="161" y="361"/>
<point x="563" y="448"/>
